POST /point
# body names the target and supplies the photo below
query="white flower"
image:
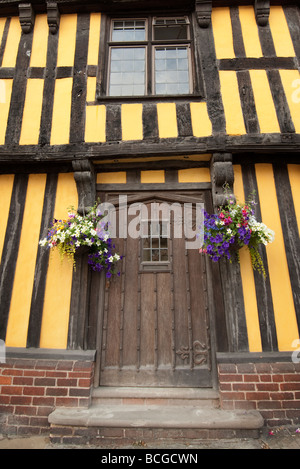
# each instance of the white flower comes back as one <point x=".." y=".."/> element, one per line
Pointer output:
<point x="229" y="230"/>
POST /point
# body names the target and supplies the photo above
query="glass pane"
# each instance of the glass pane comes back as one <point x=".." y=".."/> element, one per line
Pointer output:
<point x="172" y="70"/>
<point x="164" y="255"/>
<point x="127" y="71"/>
<point x="170" y="31"/>
<point x="147" y="255"/>
<point x="128" y="30"/>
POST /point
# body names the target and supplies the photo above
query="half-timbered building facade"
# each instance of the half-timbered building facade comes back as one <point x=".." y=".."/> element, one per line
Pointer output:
<point x="150" y="102"/>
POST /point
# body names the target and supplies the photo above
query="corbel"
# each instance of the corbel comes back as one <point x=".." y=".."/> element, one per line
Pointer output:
<point x="262" y="12"/>
<point x="203" y="10"/>
<point x="26" y="17"/>
<point x="53" y="17"/>
<point x="222" y="176"/>
<point x="85" y="178"/>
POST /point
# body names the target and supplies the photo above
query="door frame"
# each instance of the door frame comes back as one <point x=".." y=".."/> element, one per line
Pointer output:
<point x="214" y="289"/>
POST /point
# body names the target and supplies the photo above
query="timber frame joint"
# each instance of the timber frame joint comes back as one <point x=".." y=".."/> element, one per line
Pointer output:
<point x="85" y="178"/>
<point x="262" y="12"/>
<point x="53" y="17"/>
<point x="222" y="175"/>
<point x="26" y="17"/>
<point x="203" y="10"/>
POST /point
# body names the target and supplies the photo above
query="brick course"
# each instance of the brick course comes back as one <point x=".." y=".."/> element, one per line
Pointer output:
<point x="271" y="388"/>
<point x="31" y="389"/>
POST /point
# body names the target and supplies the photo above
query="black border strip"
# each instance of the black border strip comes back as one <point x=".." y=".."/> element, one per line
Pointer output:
<point x="41" y="267"/>
<point x="79" y="90"/>
<point x="11" y="248"/>
<point x="262" y="286"/>
<point x="14" y="121"/>
<point x="289" y="230"/>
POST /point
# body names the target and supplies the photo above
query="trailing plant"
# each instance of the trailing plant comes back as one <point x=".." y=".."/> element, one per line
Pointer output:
<point x="233" y="227"/>
<point x="88" y="231"/>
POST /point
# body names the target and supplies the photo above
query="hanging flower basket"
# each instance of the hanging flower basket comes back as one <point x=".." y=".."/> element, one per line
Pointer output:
<point x="233" y="227"/>
<point x="83" y="234"/>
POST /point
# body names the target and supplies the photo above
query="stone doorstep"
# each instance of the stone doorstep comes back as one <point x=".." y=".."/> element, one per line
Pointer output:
<point x="156" y="416"/>
<point x="152" y="395"/>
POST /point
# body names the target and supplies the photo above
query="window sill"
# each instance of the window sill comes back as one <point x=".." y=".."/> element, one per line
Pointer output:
<point x="149" y="98"/>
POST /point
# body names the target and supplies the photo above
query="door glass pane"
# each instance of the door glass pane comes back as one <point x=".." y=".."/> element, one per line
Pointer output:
<point x="127" y="71"/>
<point x="155" y="241"/>
<point x="172" y="70"/>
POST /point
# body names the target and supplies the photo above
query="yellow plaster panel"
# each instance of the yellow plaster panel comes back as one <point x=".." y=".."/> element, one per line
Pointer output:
<point x="19" y="312"/>
<point x="249" y="291"/>
<point x="132" y="122"/>
<point x="232" y="103"/>
<point x="5" y="95"/>
<point x="167" y="120"/>
<point x="250" y="31"/>
<point x="194" y="175"/>
<point x="294" y="175"/>
<point x="201" y="123"/>
<point x="280" y="33"/>
<point x="118" y="177"/>
<point x="291" y="84"/>
<point x="6" y="187"/>
<point x="54" y="331"/>
<point x="222" y="30"/>
<point x="61" y="111"/>
<point x="32" y="112"/>
<point x="94" y="38"/>
<point x="284" y="309"/>
<point x="67" y="40"/>
<point x="148" y="177"/>
<point x="95" y="124"/>
<point x="12" y="43"/>
<point x="264" y="103"/>
<point x="40" y="42"/>
<point x="91" y="88"/>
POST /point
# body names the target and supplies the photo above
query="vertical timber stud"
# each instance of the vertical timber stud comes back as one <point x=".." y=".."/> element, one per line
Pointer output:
<point x="222" y="175"/>
<point x="85" y="177"/>
<point x="26" y="17"/>
<point x="53" y="17"/>
<point x="203" y="10"/>
<point x="262" y="12"/>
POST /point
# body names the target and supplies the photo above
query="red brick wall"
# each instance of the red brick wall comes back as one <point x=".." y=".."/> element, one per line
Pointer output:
<point x="30" y="389"/>
<point x="271" y="388"/>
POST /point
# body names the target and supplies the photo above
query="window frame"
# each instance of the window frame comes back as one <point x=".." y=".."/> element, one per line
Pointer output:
<point x="103" y="75"/>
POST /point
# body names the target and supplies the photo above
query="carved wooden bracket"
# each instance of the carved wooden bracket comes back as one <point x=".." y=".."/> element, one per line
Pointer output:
<point x="203" y="10"/>
<point x="262" y="12"/>
<point x="222" y="174"/>
<point x="53" y="17"/>
<point x="85" y="177"/>
<point x="26" y="17"/>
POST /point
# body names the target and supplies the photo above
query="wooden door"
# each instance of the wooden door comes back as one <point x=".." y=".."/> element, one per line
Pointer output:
<point x="155" y="327"/>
